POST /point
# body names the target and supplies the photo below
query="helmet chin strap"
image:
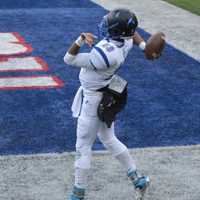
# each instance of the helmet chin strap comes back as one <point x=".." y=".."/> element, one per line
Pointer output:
<point x="121" y="39"/>
<point x="117" y="39"/>
<point x="127" y="38"/>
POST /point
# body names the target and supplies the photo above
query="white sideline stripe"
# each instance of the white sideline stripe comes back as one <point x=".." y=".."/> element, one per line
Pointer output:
<point x="97" y="152"/>
<point x="14" y="64"/>
<point x="23" y="82"/>
<point x="174" y="174"/>
<point x="180" y="26"/>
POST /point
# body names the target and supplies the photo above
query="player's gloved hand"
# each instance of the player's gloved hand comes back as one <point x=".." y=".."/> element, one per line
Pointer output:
<point x="88" y="38"/>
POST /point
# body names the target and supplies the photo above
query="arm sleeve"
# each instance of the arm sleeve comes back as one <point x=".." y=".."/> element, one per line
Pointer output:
<point x="80" y="60"/>
<point x="129" y="44"/>
<point x="95" y="60"/>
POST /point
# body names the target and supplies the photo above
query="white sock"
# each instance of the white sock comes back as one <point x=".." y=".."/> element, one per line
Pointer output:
<point x="81" y="177"/>
<point x="126" y="160"/>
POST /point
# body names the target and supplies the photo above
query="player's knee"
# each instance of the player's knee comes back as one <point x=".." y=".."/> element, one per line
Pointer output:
<point x="107" y="140"/>
<point x="83" y="162"/>
<point x="83" y="158"/>
<point x="113" y="145"/>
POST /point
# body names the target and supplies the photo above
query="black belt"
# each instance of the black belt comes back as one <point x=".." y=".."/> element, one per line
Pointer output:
<point x="103" y="89"/>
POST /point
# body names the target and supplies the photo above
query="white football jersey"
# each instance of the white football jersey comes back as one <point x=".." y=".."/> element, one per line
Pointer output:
<point x="98" y="66"/>
<point x="106" y="58"/>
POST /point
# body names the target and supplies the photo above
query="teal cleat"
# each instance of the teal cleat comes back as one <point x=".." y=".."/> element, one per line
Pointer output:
<point x="77" y="194"/>
<point x="141" y="183"/>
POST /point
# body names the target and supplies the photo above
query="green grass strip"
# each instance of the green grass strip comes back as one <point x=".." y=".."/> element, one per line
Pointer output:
<point x="190" y="5"/>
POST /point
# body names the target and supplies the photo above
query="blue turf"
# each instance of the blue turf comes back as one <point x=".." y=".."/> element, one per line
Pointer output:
<point x="164" y="99"/>
<point x="13" y="4"/>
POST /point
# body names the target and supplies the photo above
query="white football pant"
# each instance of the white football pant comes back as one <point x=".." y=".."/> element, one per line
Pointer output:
<point x="88" y="128"/>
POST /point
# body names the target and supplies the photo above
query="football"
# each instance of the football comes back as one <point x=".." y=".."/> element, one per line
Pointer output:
<point x="155" y="45"/>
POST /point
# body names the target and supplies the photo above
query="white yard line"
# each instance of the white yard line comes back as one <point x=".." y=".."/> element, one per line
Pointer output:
<point x="181" y="27"/>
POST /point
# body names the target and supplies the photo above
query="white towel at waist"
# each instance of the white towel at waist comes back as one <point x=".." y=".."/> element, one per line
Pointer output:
<point x="78" y="100"/>
<point x="77" y="103"/>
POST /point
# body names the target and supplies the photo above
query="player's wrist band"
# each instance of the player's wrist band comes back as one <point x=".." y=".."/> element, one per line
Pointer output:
<point x="80" y="41"/>
<point x="142" y="45"/>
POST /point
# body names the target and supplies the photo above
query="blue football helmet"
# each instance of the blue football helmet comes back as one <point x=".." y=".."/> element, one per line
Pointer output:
<point x="118" y="24"/>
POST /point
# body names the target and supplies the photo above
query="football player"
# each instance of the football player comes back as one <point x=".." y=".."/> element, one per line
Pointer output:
<point x="102" y="95"/>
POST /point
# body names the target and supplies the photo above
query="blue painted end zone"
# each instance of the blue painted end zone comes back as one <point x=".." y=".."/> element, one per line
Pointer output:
<point x="30" y="4"/>
<point x="164" y="99"/>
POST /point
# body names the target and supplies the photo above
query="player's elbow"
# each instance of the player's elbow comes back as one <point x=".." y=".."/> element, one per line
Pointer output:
<point x="68" y="59"/>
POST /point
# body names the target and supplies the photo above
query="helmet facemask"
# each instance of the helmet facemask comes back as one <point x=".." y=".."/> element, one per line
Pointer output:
<point x="118" y="24"/>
